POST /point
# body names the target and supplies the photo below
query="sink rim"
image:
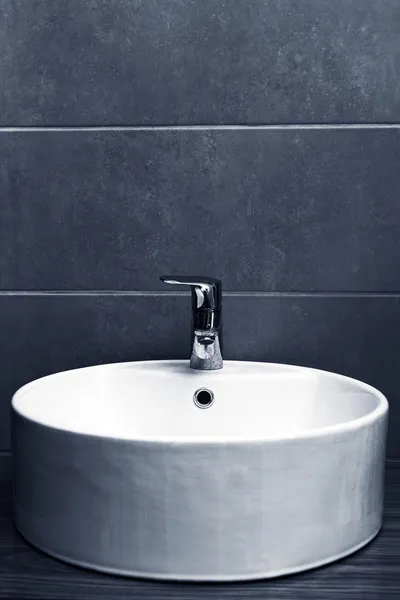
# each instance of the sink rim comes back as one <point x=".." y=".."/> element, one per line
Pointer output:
<point x="379" y="411"/>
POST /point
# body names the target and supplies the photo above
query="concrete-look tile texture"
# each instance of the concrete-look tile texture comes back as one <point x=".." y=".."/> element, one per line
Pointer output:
<point x="305" y="210"/>
<point x="185" y="61"/>
<point x="282" y="210"/>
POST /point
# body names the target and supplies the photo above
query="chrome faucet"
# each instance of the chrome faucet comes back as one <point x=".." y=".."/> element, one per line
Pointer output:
<point x="206" y="322"/>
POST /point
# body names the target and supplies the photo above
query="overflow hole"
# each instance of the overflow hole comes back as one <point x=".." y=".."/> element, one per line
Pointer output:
<point x="203" y="398"/>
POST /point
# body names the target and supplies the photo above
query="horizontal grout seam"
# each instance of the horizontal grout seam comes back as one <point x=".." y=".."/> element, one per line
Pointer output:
<point x="272" y="127"/>
<point x="228" y="294"/>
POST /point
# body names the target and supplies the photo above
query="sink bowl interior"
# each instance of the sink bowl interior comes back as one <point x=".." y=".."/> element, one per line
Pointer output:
<point x="154" y="400"/>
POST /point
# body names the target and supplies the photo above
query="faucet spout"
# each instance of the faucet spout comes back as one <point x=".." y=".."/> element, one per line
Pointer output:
<point x="206" y="351"/>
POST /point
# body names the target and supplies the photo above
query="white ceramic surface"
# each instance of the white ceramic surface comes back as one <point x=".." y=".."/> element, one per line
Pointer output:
<point x="117" y="469"/>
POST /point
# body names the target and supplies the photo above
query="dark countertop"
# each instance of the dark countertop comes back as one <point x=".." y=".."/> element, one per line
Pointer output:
<point x="373" y="572"/>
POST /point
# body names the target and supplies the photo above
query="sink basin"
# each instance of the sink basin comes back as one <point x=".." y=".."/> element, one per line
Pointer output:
<point x="124" y="469"/>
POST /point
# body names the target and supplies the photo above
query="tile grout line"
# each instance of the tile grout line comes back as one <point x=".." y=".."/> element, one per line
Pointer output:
<point x="231" y="294"/>
<point x="271" y="127"/>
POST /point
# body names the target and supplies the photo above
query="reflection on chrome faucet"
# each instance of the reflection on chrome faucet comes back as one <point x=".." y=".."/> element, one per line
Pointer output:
<point x="206" y="351"/>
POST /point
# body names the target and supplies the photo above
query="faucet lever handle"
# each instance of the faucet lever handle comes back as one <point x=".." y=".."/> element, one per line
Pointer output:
<point x="206" y="291"/>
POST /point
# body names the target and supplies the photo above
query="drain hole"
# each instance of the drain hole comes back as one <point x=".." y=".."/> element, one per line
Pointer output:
<point x="203" y="398"/>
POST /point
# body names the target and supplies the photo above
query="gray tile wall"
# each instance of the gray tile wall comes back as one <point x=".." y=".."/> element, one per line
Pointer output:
<point x="258" y="142"/>
<point x="130" y="62"/>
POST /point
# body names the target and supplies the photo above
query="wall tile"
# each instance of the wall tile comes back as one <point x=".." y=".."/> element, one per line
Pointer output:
<point x="285" y="210"/>
<point x="355" y="336"/>
<point x="184" y="61"/>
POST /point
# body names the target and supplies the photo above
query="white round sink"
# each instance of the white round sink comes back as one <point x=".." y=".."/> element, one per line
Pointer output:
<point x="152" y="469"/>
